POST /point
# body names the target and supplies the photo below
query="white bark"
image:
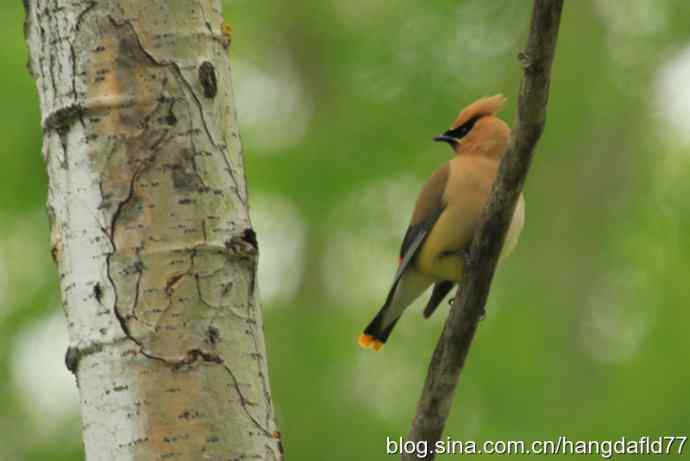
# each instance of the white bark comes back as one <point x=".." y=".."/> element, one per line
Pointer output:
<point x="150" y="229"/>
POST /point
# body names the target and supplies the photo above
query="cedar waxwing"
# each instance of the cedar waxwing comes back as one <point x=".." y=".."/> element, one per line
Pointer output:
<point x="445" y="216"/>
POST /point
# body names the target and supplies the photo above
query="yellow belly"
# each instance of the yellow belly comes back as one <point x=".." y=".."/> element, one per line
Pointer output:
<point x="444" y="267"/>
<point x="441" y="255"/>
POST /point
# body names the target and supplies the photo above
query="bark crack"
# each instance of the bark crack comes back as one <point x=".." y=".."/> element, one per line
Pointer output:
<point x="73" y="60"/>
<point x="80" y="16"/>
<point x="177" y="71"/>
<point x="139" y="270"/>
<point x="245" y="402"/>
<point x="229" y="307"/>
<point x="75" y="354"/>
<point x="202" y="116"/>
<point x="62" y="118"/>
<point x="111" y="235"/>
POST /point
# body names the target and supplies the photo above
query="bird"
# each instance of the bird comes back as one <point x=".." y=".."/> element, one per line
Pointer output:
<point x="446" y="214"/>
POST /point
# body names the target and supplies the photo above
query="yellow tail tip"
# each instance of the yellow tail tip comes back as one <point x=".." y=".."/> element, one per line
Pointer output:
<point x="369" y="342"/>
<point x="365" y="340"/>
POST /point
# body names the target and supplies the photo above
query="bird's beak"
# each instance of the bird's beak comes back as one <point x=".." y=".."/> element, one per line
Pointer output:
<point x="445" y="138"/>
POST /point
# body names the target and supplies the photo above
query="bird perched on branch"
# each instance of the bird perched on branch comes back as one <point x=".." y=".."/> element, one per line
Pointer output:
<point x="445" y="216"/>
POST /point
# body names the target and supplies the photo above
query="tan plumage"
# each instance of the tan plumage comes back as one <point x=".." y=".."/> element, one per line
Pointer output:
<point x="446" y="215"/>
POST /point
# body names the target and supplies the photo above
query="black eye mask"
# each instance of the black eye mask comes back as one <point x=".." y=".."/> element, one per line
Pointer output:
<point x="462" y="130"/>
<point x="453" y="136"/>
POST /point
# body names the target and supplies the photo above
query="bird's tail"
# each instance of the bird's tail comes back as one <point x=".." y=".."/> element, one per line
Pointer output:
<point x="376" y="333"/>
<point x="401" y="295"/>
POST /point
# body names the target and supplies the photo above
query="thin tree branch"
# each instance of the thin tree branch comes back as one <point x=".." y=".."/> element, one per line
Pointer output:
<point x="451" y="351"/>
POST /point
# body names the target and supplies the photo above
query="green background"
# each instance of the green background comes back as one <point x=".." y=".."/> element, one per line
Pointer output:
<point x="587" y="327"/>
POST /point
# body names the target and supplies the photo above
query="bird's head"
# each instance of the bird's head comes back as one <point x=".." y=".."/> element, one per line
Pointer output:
<point x="478" y="130"/>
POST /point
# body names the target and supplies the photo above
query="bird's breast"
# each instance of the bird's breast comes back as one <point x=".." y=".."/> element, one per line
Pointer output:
<point x="467" y="192"/>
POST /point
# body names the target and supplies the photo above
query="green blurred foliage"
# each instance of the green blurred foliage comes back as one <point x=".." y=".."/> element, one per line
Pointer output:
<point x="586" y="333"/>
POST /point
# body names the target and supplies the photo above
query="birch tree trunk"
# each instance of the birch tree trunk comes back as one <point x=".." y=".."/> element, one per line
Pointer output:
<point x="150" y="229"/>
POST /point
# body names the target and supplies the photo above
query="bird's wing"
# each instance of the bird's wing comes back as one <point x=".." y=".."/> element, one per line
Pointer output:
<point x="414" y="237"/>
<point x="429" y="206"/>
<point x="439" y="292"/>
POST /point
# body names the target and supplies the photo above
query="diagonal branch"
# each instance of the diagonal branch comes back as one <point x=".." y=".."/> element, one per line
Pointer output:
<point x="451" y="351"/>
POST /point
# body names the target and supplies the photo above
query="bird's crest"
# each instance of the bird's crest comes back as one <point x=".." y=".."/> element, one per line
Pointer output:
<point x="485" y="106"/>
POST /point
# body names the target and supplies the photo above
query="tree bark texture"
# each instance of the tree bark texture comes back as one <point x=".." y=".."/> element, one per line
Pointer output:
<point x="150" y="229"/>
<point x="451" y="351"/>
